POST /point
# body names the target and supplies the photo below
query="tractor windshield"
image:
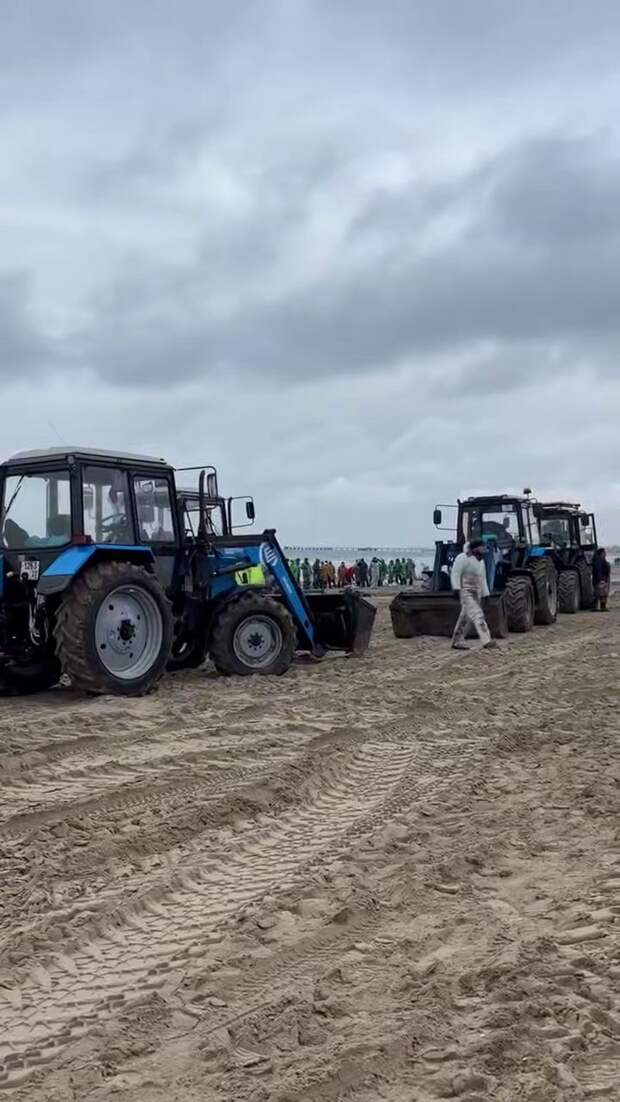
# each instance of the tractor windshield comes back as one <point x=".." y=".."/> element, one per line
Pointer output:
<point x="556" y="530"/>
<point x="36" y="510"/>
<point x="495" y="522"/>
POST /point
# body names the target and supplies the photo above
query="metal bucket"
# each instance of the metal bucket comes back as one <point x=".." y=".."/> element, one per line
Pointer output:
<point x="343" y="620"/>
<point x="436" y="614"/>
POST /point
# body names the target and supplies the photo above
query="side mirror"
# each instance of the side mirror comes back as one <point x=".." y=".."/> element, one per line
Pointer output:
<point x="212" y="485"/>
<point x="437" y="517"/>
<point x="237" y="518"/>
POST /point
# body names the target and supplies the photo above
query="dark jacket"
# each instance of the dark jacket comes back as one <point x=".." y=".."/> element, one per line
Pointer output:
<point x="600" y="569"/>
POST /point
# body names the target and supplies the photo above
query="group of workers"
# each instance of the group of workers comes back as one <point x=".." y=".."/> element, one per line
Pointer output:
<point x="469" y="583"/>
<point x="374" y="574"/>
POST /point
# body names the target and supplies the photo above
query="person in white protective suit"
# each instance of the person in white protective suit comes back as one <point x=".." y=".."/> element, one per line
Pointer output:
<point x="469" y="583"/>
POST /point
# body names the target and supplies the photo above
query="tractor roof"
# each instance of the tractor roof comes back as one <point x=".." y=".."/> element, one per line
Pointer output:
<point x="559" y="507"/>
<point x="486" y="499"/>
<point x="54" y="454"/>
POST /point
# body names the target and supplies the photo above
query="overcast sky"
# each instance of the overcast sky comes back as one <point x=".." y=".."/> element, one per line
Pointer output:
<point x="361" y="256"/>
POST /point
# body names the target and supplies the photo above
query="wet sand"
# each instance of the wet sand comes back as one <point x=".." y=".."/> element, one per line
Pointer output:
<point x="391" y="878"/>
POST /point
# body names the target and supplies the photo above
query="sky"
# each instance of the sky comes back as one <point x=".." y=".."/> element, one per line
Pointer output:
<point x="362" y="257"/>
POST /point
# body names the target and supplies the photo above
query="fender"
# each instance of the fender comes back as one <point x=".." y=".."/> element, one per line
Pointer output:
<point x="71" y="562"/>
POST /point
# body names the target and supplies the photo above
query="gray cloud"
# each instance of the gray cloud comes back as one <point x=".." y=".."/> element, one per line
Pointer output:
<point x="349" y="229"/>
<point x="25" y="348"/>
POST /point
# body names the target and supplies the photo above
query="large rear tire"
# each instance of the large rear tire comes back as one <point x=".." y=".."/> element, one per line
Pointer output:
<point x="519" y="603"/>
<point x="34" y="677"/>
<point x="569" y="596"/>
<point x="253" y="634"/>
<point x="546" y="590"/>
<point x="114" y="630"/>
<point x="588" y="597"/>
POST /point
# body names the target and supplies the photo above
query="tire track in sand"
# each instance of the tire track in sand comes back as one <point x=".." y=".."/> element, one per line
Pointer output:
<point x="61" y="1003"/>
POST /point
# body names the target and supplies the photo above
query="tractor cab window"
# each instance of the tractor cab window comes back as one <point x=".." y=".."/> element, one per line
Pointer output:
<point x="36" y="510"/>
<point x="154" y="510"/>
<point x="214" y="514"/>
<point x="107" y="514"/>
<point x="586" y="533"/>
<point x="499" y="524"/>
<point x="555" y="530"/>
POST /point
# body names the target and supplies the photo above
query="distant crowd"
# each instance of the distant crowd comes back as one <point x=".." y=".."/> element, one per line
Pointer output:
<point x="325" y="575"/>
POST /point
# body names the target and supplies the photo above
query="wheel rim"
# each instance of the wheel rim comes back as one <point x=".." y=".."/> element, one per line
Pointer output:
<point x="257" y="641"/>
<point x="128" y="632"/>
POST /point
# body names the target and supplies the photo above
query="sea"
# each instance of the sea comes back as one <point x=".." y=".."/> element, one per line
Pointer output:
<point x="422" y="556"/>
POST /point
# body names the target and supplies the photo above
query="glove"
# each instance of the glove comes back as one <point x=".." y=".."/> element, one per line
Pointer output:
<point x="456" y="593"/>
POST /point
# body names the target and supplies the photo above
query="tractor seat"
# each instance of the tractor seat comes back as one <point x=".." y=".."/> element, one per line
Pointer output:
<point x="59" y="526"/>
<point x="14" y="536"/>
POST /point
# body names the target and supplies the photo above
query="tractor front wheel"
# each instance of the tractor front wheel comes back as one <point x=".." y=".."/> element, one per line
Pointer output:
<point x="568" y="591"/>
<point x="114" y="630"/>
<point x="253" y="634"/>
<point x="519" y="603"/>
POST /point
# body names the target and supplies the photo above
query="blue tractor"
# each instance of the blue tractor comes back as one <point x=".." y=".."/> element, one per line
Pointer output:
<point x="521" y="572"/>
<point x="110" y="574"/>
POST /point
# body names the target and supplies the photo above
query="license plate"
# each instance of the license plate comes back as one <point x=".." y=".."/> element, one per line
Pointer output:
<point x="29" y="567"/>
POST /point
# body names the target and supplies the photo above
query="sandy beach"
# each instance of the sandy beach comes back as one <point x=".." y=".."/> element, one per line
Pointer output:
<point x="394" y="877"/>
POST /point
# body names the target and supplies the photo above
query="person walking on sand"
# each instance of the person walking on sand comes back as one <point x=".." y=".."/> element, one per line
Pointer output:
<point x="469" y="583"/>
<point x="374" y="573"/>
<point x="342" y="576"/>
<point x="306" y="573"/>
<point x="601" y="571"/>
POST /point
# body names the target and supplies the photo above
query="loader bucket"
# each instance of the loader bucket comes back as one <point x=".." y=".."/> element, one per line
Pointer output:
<point x="437" y="613"/>
<point x="343" y="620"/>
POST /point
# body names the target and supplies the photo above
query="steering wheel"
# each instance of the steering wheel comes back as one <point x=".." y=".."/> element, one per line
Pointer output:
<point x="111" y="523"/>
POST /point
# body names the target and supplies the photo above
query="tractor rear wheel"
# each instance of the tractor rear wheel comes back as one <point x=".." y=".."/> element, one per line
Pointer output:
<point x="114" y="630"/>
<point x="546" y="591"/>
<point x="586" y="584"/>
<point x="568" y="591"/>
<point x="519" y="603"/>
<point x="33" y="677"/>
<point x="253" y="634"/>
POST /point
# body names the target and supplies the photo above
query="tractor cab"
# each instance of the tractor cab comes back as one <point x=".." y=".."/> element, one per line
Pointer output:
<point x="566" y="525"/>
<point x="52" y="499"/>
<point x="506" y="522"/>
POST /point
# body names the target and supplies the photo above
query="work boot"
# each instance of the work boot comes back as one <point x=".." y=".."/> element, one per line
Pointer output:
<point x="460" y="646"/>
<point x="491" y="645"/>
